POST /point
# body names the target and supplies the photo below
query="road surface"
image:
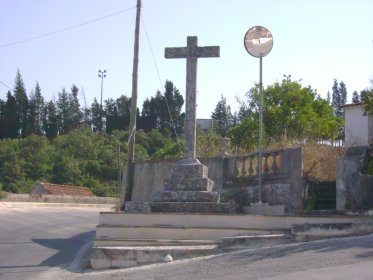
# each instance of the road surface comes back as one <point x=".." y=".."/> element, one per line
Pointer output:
<point x="36" y="243"/>
<point x="50" y="243"/>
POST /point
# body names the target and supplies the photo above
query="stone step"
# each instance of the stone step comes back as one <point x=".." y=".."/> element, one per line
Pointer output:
<point x="174" y="233"/>
<point x="278" y="223"/>
<point x="184" y="196"/>
<point x="255" y="241"/>
<point x="188" y="184"/>
<point x="123" y="256"/>
<point x="150" y="242"/>
<point x="193" y="207"/>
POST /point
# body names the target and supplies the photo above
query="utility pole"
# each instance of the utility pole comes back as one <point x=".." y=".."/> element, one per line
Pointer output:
<point x="102" y="75"/>
<point x="131" y="144"/>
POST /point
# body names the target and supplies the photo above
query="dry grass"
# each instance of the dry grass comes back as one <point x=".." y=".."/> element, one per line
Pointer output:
<point x="319" y="159"/>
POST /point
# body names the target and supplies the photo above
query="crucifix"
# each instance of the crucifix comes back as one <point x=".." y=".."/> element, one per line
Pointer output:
<point x="191" y="52"/>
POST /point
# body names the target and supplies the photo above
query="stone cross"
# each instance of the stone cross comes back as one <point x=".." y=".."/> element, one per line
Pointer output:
<point x="191" y="52"/>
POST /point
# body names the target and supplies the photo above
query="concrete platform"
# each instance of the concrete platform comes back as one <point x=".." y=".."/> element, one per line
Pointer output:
<point x="129" y="239"/>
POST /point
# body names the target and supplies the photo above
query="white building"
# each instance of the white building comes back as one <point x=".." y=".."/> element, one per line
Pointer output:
<point x="358" y="126"/>
<point x="205" y="124"/>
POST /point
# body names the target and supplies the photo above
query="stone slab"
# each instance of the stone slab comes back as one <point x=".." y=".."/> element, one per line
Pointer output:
<point x="194" y="170"/>
<point x="188" y="184"/>
<point x="184" y="196"/>
<point x="124" y="257"/>
<point x="267" y="210"/>
<point x="255" y="241"/>
<point x="150" y="242"/>
<point x="174" y="233"/>
<point x="194" y="207"/>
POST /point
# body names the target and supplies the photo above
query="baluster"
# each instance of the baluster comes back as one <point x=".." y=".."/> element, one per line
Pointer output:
<point x="275" y="168"/>
<point x="236" y="171"/>
<point x="243" y="169"/>
<point x="265" y="168"/>
<point x="251" y="168"/>
<point x="257" y="166"/>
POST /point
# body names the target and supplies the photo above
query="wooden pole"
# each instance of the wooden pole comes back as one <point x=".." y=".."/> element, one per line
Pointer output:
<point x="131" y="145"/>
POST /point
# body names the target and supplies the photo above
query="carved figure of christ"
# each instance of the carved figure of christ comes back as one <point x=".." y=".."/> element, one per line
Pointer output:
<point x="191" y="52"/>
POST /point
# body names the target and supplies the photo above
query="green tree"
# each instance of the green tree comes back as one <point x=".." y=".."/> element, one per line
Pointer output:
<point x="223" y="117"/>
<point x="50" y="120"/>
<point x="290" y="112"/>
<point x="164" y="110"/>
<point x="36" y="111"/>
<point x="11" y="121"/>
<point x="97" y="122"/>
<point x="339" y="97"/>
<point x="355" y="97"/>
<point x="367" y="100"/>
<point x="76" y="114"/>
<point x="22" y="105"/>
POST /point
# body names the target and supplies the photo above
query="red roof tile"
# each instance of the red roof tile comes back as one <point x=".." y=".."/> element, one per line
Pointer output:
<point x="55" y="189"/>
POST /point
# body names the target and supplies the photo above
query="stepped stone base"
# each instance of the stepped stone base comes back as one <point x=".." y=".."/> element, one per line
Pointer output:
<point x="194" y="207"/>
<point x="186" y="196"/>
<point x="190" y="184"/>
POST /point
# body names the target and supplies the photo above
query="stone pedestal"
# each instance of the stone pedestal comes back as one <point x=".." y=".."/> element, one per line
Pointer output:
<point x="189" y="190"/>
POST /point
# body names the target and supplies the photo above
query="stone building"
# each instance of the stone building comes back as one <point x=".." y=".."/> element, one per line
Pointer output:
<point x="358" y="126"/>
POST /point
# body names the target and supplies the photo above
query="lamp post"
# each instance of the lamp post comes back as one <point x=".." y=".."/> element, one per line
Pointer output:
<point x="258" y="43"/>
<point x="102" y="75"/>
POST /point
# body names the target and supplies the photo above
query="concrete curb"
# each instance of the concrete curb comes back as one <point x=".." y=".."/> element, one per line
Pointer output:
<point x="4" y="204"/>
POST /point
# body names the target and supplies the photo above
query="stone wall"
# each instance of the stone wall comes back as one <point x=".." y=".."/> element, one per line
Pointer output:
<point x="60" y="199"/>
<point x="354" y="190"/>
<point x="283" y="181"/>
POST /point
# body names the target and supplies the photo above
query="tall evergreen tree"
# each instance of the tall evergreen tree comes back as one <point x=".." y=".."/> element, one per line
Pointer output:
<point x="75" y="114"/>
<point x="164" y="110"/>
<point x="36" y="111"/>
<point x="11" y="120"/>
<point x="355" y="97"/>
<point x="63" y="112"/>
<point x="223" y="117"/>
<point x="339" y="97"/>
<point x="2" y="118"/>
<point x="50" y="120"/>
<point x="97" y="123"/>
<point x="22" y="105"/>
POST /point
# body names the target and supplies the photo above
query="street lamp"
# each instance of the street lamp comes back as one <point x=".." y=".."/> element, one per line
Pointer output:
<point x="102" y="75"/>
<point x="258" y="43"/>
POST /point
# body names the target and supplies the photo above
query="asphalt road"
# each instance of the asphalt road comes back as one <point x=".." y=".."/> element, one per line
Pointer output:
<point x="38" y="243"/>
<point x="49" y="243"/>
<point x="345" y="258"/>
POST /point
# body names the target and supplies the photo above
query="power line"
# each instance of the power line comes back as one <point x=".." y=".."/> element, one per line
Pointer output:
<point x="159" y="77"/>
<point x="65" y="29"/>
<point x="4" y="84"/>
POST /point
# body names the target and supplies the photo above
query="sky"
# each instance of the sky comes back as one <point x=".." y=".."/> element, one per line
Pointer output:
<point x="64" y="42"/>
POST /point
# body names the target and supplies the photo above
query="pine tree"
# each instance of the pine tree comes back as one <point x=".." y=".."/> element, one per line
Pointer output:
<point x="339" y="97"/>
<point x="22" y="105"/>
<point x="11" y="120"/>
<point x="355" y="97"/>
<point x="63" y="112"/>
<point x="36" y="111"/>
<point x="75" y="114"/>
<point x="50" y="120"/>
<point x="97" y="123"/>
<point x="223" y="117"/>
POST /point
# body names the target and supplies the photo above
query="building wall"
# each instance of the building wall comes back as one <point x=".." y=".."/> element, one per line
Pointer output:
<point x="358" y="127"/>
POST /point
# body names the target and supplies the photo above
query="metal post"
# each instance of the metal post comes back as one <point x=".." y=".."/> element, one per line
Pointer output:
<point x="102" y="75"/>
<point x="260" y="130"/>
